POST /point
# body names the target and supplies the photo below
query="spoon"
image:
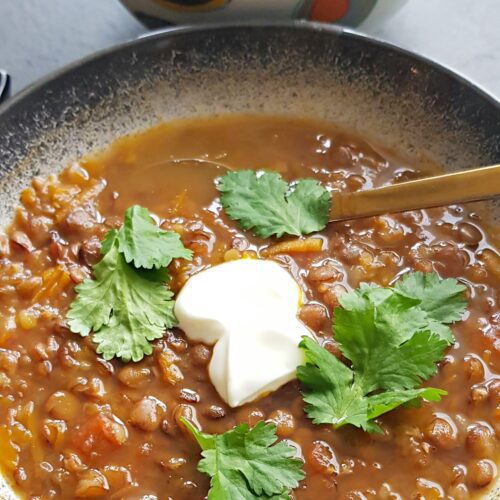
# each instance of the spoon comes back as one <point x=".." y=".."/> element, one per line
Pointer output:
<point x="436" y="191"/>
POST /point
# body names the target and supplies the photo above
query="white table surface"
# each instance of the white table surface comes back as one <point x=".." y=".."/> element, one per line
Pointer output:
<point x="39" y="36"/>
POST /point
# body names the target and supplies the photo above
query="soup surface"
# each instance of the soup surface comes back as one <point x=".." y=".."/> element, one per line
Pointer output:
<point x="75" y="425"/>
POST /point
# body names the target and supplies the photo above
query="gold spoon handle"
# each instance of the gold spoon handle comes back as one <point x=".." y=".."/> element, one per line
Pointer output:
<point x="448" y="189"/>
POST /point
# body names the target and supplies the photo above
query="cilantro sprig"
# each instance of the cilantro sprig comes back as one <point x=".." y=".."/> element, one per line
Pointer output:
<point x="264" y="203"/>
<point x="145" y="244"/>
<point x="247" y="463"/>
<point x="127" y="304"/>
<point x="393" y="338"/>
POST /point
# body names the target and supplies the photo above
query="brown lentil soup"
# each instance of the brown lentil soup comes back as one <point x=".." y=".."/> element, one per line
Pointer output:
<point x="75" y="425"/>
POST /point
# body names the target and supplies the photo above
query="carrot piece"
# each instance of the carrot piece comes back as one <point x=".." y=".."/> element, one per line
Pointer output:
<point x="294" y="246"/>
<point x="54" y="281"/>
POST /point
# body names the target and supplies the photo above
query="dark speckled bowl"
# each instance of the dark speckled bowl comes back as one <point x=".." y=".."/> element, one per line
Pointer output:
<point x="394" y="97"/>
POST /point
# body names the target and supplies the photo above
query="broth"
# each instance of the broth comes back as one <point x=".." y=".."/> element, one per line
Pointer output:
<point x="57" y="394"/>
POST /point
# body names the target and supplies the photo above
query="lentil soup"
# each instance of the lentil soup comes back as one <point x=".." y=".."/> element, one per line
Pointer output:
<point x="75" y="425"/>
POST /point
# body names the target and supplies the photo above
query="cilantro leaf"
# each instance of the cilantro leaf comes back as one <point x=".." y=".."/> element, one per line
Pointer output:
<point x="393" y="340"/>
<point x="247" y="463"/>
<point x="387" y="401"/>
<point x="145" y="244"/>
<point x="375" y="352"/>
<point x="443" y="300"/>
<point x="330" y="396"/>
<point x="334" y="393"/>
<point x="264" y="203"/>
<point x="127" y="307"/>
<point x="410" y="306"/>
<point x="402" y="316"/>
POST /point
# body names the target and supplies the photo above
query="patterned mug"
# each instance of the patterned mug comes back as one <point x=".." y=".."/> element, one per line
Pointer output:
<point x="158" y="13"/>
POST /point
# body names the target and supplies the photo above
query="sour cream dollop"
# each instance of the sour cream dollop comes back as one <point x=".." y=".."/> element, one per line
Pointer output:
<point x="248" y="309"/>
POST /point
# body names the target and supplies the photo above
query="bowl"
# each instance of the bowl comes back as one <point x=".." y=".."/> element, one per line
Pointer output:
<point x="394" y="97"/>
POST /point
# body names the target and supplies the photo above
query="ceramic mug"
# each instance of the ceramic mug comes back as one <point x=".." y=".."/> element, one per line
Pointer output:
<point x="157" y="13"/>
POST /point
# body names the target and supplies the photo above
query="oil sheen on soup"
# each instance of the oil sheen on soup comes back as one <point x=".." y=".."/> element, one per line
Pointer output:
<point x="58" y="397"/>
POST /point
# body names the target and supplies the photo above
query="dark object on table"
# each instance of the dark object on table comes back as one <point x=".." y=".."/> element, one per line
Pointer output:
<point x="4" y="85"/>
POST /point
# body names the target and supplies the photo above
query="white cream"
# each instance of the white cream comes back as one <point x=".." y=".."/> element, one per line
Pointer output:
<point x="248" y="309"/>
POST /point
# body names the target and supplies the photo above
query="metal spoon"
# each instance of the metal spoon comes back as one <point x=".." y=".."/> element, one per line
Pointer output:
<point x="436" y="191"/>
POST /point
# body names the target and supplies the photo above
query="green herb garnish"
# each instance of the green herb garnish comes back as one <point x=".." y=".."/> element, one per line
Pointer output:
<point x="442" y="300"/>
<point x="145" y="244"/>
<point x="248" y="463"/>
<point x="393" y="338"/>
<point x="264" y="203"/>
<point x="128" y="305"/>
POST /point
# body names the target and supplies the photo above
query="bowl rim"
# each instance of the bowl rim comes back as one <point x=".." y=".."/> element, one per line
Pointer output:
<point x="300" y="25"/>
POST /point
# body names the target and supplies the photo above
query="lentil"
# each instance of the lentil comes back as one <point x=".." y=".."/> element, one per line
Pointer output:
<point x="73" y="425"/>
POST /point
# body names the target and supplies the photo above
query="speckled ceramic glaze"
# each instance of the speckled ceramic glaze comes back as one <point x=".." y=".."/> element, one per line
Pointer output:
<point x="387" y="95"/>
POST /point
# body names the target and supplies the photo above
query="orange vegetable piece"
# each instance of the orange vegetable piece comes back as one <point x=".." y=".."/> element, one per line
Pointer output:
<point x="99" y="431"/>
<point x="294" y="246"/>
